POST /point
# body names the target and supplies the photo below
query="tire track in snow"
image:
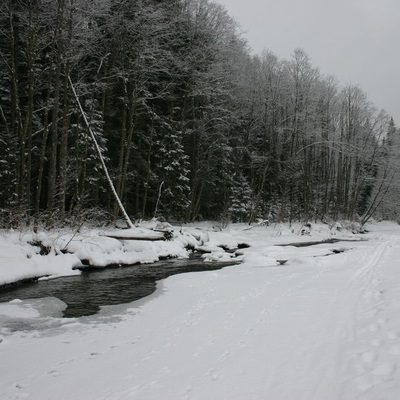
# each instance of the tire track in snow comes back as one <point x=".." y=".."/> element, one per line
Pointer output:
<point x="372" y="360"/>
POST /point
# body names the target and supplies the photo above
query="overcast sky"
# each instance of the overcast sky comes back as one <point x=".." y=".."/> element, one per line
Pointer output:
<point x="357" y="41"/>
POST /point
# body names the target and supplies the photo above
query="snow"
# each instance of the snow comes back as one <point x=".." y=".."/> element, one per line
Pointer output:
<point x="21" y="260"/>
<point x="322" y="326"/>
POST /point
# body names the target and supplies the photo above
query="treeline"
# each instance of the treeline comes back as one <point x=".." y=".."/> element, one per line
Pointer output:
<point x="190" y="124"/>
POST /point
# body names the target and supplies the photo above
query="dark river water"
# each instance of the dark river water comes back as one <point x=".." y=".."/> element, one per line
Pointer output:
<point x="85" y="293"/>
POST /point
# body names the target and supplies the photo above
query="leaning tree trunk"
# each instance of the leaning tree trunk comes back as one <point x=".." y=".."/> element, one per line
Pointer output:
<point x="101" y="159"/>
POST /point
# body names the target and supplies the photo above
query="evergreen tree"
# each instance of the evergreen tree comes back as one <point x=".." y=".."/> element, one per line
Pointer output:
<point x="172" y="170"/>
<point x="177" y="102"/>
<point x="241" y="199"/>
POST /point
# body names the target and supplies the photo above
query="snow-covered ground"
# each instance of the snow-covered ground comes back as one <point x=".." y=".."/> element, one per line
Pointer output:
<point x="317" y="328"/>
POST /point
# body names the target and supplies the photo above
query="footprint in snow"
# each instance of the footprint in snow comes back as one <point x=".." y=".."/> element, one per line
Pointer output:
<point x="224" y="356"/>
<point x="212" y="373"/>
<point x="250" y="331"/>
<point x="67" y="361"/>
<point x="186" y="391"/>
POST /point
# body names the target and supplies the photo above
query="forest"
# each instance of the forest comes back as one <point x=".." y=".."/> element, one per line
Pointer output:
<point x="191" y="125"/>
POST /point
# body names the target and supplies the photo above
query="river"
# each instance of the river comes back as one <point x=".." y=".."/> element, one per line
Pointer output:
<point x="85" y="293"/>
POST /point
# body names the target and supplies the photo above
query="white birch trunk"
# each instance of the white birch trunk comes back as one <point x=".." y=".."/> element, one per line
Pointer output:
<point x="103" y="164"/>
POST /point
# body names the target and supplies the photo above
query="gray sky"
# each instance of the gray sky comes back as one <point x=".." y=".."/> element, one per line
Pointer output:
<point x="357" y="41"/>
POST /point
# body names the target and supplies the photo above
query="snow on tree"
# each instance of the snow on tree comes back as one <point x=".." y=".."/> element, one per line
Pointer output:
<point x="241" y="199"/>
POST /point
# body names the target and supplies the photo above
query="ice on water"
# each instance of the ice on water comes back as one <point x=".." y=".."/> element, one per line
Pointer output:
<point x="30" y="314"/>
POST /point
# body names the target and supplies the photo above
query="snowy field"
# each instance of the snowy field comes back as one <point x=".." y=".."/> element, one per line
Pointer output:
<point x="323" y="326"/>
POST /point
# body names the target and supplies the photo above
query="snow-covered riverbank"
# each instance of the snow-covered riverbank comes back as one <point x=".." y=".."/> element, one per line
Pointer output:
<point x="21" y="253"/>
<point x="316" y="328"/>
<point x="25" y="255"/>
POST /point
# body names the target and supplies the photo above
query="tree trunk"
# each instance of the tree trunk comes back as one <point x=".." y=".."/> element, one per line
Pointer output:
<point x="52" y="173"/>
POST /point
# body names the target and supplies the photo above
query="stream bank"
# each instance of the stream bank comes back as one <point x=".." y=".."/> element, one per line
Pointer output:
<point x="85" y="293"/>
